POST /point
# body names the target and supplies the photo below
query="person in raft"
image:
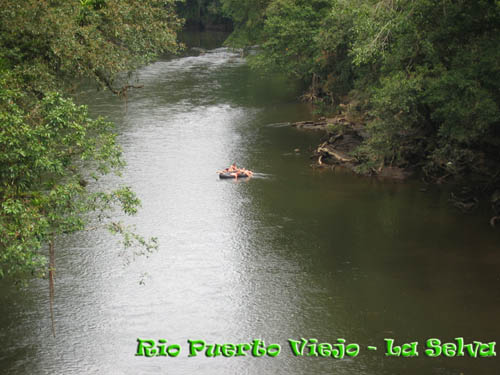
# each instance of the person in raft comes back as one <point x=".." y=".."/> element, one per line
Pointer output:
<point x="233" y="170"/>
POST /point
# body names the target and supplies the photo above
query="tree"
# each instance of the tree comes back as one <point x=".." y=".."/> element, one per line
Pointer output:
<point x="51" y="149"/>
<point x="203" y="14"/>
<point x="423" y="72"/>
<point x="48" y="43"/>
<point x="248" y="18"/>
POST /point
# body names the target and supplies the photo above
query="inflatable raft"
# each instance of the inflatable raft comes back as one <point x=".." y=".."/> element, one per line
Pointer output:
<point x="231" y="175"/>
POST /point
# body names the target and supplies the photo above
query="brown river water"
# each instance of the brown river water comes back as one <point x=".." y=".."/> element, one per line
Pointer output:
<point x="293" y="253"/>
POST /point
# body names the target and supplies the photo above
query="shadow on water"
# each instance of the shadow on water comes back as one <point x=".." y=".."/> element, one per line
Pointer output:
<point x="293" y="253"/>
<point x="206" y="40"/>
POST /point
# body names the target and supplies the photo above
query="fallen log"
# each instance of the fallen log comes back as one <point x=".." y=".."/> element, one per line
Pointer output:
<point x="493" y="220"/>
<point x="339" y="156"/>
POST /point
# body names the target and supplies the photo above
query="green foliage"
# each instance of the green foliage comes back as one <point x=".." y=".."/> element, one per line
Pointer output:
<point x="334" y="64"/>
<point x="395" y="116"/>
<point x="290" y="27"/>
<point x="203" y="14"/>
<point x="308" y="40"/>
<point x="45" y="147"/>
<point x="437" y="77"/>
<point x="78" y="39"/>
<point x="93" y="4"/>
<point x="51" y="148"/>
<point x="248" y="19"/>
<point x="425" y="71"/>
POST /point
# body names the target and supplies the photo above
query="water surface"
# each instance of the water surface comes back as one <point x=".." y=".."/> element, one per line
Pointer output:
<point x="294" y="253"/>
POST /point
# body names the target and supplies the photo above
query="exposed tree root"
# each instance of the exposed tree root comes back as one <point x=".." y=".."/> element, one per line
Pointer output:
<point x="52" y="270"/>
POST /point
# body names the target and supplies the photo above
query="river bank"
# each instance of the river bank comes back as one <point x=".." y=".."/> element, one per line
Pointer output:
<point x="343" y="136"/>
<point x="300" y="252"/>
<point x="346" y="132"/>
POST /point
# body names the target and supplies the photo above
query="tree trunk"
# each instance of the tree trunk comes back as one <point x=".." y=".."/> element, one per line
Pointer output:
<point x="52" y="270"/>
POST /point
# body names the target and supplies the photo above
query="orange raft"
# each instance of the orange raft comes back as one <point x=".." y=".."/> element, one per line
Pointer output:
<point x="234" y="172"/>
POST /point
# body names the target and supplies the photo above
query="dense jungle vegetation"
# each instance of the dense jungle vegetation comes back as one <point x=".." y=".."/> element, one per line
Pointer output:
<point x="424" y="75"/>
<point x="204" y="15"/>
<point x="47" y="141"/>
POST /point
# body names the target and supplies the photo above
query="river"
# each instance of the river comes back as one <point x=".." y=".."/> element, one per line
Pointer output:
<point x="293" y="253"/>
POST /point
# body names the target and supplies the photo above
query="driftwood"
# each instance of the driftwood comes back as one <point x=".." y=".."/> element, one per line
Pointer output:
<point x="122" y="92"/>
<point x="344" y="137"/>
<point x="345" y="133"/>
<point x="324" y="123"/>
<point x="337" y="149"/>
<point x="311" y="125"/>
<point x="493" y="220"/>
<point x="339" y="156"/>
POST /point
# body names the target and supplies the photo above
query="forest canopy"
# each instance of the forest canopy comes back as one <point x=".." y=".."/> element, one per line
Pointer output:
<point x="424" y="75"/>
<point x="48" y="142"/>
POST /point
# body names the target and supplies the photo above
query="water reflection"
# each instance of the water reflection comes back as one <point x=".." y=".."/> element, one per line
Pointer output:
<point x="297" y="253"/>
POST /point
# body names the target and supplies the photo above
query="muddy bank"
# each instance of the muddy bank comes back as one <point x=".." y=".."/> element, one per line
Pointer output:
<point x="343" y="137"/>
